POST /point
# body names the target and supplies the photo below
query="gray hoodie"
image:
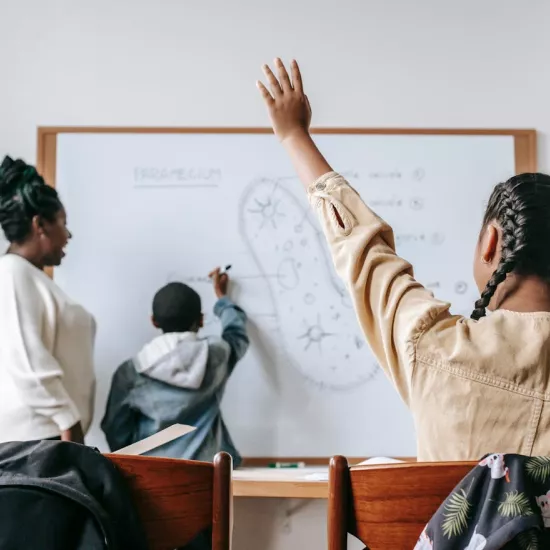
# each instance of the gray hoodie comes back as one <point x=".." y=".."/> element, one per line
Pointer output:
<point x="177" y="358"/>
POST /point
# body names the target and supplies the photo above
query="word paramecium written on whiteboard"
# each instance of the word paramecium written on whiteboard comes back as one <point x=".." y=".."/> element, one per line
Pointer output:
<point x="176" y="177"/>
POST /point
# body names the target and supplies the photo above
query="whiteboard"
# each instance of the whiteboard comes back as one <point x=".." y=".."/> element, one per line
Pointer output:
<point x="146" y="209"/>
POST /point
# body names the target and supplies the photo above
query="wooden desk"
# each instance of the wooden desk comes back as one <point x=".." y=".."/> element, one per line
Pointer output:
<point x="254" y="480"/>
<point x="309" y="482"/>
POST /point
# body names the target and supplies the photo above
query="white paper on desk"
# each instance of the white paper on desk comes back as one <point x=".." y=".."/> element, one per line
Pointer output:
<point x="156" y="440"/>
<point x="379" y="460"/>
<point x="318" y="476"/>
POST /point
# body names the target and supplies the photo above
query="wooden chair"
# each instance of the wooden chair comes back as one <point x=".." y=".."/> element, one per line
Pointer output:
<point x="178" y="499"/>
<point x="387" y="506"/>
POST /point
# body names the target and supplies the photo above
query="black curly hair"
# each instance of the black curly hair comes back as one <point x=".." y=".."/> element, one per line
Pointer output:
<point x="176" y="308"/>
<point x="24" y="195"/>
<point x="521" y="207"/>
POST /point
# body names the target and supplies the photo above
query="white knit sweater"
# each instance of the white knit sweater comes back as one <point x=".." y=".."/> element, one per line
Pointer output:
<point x="47" y="381"/>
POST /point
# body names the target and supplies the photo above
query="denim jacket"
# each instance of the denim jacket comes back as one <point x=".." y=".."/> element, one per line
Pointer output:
<point x="178" y="378"/>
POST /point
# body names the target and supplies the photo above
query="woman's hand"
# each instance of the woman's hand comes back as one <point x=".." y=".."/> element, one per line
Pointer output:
<point x="287" y="104"/>
<point x="74" y="434"/>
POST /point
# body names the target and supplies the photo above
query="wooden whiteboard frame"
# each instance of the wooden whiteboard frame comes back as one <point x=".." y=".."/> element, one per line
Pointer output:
<point x="525" y="141"/>
<point x="525" y="149"/>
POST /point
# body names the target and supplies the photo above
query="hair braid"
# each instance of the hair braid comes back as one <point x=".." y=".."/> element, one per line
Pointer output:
<point x="515" y="205"/>
<point x="23" y="195"/>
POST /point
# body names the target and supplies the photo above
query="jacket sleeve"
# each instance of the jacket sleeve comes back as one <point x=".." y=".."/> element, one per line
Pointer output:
<point x="30" y="363"/>
<point x="234" y="332"/>
<point x="120" y="421"/>
<point x="392" y="308"/>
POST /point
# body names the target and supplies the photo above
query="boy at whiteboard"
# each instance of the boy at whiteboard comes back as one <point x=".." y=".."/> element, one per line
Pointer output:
<point x="178" y="377"/>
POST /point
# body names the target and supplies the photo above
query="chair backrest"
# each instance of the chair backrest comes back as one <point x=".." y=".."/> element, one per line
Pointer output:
<point x="178" y="499"/>
<point x="387" y="506"/>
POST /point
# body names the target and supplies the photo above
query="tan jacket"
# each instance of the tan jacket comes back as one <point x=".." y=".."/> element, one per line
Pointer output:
<point x="473" y="387"/>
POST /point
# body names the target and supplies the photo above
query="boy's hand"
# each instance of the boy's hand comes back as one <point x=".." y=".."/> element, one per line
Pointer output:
<point x="287" y="104"/>
<point x="220" y="281"/>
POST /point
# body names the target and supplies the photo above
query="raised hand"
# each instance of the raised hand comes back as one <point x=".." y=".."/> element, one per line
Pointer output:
<point x="286" y="102"/>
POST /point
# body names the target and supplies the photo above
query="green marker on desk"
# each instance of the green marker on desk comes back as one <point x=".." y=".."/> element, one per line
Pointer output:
<point x="287" y="465"/>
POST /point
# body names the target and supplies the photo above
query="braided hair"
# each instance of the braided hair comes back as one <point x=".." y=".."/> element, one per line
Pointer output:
<point x="24" y="195"/>
<point x="521" y="207"/>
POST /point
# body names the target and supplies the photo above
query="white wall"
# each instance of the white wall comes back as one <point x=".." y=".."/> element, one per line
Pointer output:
<point x="479" y="63"/>
<point x="428" y="63"/>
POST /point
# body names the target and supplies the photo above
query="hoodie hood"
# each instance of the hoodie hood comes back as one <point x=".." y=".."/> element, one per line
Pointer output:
<point x="177" y="358"/>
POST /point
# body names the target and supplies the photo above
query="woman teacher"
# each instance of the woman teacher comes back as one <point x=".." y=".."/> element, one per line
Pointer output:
<point x="47" y="381"/>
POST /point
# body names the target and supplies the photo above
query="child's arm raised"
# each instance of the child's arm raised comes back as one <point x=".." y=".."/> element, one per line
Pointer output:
<point x="232" y="317"/>
<point x="393" y="309"/>
<point x="290" y="114"/>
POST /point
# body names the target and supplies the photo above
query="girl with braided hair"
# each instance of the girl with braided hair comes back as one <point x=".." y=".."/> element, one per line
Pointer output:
<point x="46" y="340"/>
<point x="473" y="385"/>
<point x="516" y="227"/>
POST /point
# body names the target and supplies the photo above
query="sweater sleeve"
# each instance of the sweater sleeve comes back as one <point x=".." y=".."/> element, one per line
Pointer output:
<point x="26" y="307"/>
<point x="393" y="309"/>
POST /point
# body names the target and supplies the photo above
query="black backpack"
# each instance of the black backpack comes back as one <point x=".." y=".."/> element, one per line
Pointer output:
<point x="57" y="495"/>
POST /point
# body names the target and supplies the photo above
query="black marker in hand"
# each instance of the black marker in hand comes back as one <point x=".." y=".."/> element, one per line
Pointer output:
<point x="220" y="280"/>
